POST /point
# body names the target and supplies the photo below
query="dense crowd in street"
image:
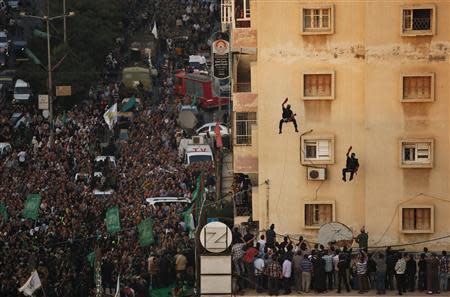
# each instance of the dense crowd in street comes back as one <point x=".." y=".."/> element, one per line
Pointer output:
<point x="71" y="219"/>
<point x="264" y="264"/>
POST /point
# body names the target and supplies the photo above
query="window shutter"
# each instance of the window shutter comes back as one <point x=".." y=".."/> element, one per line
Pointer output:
<point x="408" y="219"/>
<point x="323" y="149"/>
<point x="423" y="152"/>
<point x="309" y="209"/>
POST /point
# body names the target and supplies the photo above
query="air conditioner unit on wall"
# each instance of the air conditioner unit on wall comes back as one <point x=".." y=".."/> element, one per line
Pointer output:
<point x="316" y="173"/>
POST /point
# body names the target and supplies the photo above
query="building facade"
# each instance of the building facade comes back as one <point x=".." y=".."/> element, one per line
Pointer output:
<point x="373" y="75"/>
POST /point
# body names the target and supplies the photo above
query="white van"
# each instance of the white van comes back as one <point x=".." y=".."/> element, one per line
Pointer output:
<point x="198" y="153"/>
<point x="22" y="91"/>
<point x="159" y="200"/>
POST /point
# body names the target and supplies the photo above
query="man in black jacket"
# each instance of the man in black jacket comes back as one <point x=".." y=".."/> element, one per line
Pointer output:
<point x="352" y="165"/>
<point x="288" y="116"/>
<point x="410" y="274"/>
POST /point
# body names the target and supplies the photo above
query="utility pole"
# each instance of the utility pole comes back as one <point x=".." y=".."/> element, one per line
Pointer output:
<point x="49" y="69"/>
<point x="64" y="19"/>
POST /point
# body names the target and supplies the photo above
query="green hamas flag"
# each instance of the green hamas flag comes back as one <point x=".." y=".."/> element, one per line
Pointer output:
<point x="90" y="258"/>
<point x="145" y="229"/>
<point x="31" y="210"/>
<point x="3" y="213"/>
<point x="129" y="105"/>
<point x="113" y="220"/>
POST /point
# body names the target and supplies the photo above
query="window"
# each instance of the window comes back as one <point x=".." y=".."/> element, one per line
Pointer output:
<point x="417" y="88"/>
<point x="417" y="219"/>
<point x="418" y="20"/>
<point x="317" y="20"/>
<point x="317" y="150"/>
<point x="194" y="88"/>
<point x="417" y="153"/>
<point x="244" y="122"/>
<point x="317" y="86"/>
<point x="318" y="214"/>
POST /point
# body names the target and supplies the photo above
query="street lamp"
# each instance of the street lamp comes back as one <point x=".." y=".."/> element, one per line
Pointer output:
<point x="48" y="19"/>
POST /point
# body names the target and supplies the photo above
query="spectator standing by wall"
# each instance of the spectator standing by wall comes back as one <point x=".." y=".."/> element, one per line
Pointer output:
<point x="259" y="273"/>
<point x="274" y="274"/>
<point x="296" y="265"/>
<point x="381" y="273"/>
<point x="287" y="272"/>
<point x="328" y="258"/>
<point x="271" y="235"/>
<point x="410" y="275"/>
<point x="444" y="264"/>
<point x="361" y="271"/>
<point x="306" y="267"/>
<point x="400" y="268"/>
<point x="422" y="283"/>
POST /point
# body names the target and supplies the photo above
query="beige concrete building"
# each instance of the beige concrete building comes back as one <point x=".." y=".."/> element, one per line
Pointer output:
<point x="369" y="74"/>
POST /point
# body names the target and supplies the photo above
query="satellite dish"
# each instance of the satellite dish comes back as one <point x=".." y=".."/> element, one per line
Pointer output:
<point x="45" y="113"/>
<point x="336" y="233"/>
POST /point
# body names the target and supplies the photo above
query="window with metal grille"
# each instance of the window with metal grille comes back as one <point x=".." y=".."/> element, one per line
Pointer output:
<point x="418" y="20"/>
<point x="417" y="87"/>
<point x="318" y="214"/>
<point x="416" y="219"/>
<point x="317" y="149"/>
<point x="416" y="152"/>
<point x="316" y="19"/>
<point x="244" y="122"/>
<point x="318" y="85"/>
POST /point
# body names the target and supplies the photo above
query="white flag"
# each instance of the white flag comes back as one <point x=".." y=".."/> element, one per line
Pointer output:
<point x="154" y="30"/>
<point x="118" y="287"/>
<point x="110" y="116"/>
<point x="32" y="284"/>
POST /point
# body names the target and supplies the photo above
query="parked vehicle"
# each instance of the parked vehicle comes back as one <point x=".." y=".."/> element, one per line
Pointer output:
<point x="22" y="91"/>
<point x="210" y="127"/>
<point x="167" y="200"/>
<point x="198" y="86"/>
<point x="198" y="153"/>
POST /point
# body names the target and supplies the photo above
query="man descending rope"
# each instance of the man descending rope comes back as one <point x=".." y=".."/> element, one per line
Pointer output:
<point x="288" y="116"/>
<point x="352" y="165"/>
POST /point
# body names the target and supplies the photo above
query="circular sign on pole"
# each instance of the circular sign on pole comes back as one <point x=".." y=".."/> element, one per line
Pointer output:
<point x="216" y="237"/>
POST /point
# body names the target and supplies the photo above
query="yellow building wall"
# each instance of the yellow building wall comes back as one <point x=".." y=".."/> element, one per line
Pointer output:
<point x="367" y="54"/>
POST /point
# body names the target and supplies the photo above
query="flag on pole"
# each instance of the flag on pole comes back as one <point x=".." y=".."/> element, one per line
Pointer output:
<point x="113" y="220"/>
<point x="155" y="30"/>
<point x="3" y="213"/>
<point x="31" y="210"/>
<point x="145" y="229"/>
<point x="118" y="287"/>
<point x="188" y="219"/>
<point x="32" y="284"/>
<point x="110" y="116"/>
<point x="219" y="143"/>
<point x="91" y="258"/>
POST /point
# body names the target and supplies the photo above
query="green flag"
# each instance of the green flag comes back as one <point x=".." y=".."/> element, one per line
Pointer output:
<point x="188" y="219"/>
<point x="31" y="210"/>
<point x="113" y="220"/>
<point x="145" y="229"/>
<point x="90" y="258"/>
<point x="3" y="212"/>
<point x="129" y="105"/>
<point x="64" y="117"/>
<point x="32" y="56"/>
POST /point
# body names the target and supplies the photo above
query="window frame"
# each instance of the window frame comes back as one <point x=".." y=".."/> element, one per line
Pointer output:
<point x="412" y="33"/>
<point x="247" y="123"/>
<point x="415" y="142"/>
<point x="333" y="83"/>
<point x="316" y="161"/>
<point x="317" y="31"/>
<point x="315" y="202"/>
<point x="416" y="231"/>
<point x="415" y="100"/>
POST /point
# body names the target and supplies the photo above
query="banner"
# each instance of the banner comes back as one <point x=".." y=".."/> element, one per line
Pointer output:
<point x="31" y="210"/>
<point x="110" y="116"/>
<point x="113" y="220"/>
<point x="145" y="229"/>
<point x="91" y="258"/>
<point x="3" y="213"/>
<point x="32" y="284"/>
<point x="188" y="219"/>
<point x="219" y="143"/>
<point x="129" y="105"/>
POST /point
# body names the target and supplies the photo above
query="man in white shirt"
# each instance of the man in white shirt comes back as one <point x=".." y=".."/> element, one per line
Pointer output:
<point x="262" y="244"/>
<point x="335" y="267"/>
<point x="400" y="268"/>
<point x="287" y="270"/>
<point x="259" y="273"/>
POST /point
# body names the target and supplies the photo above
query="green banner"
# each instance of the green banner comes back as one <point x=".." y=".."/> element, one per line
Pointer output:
<point x="129" y="105"/>
<point x="3" y="212"/>
<point x="145" y="229"/>
<point x="113" y="220"/>
<point x="91" y="258"/>
<point x="31" y="210"/>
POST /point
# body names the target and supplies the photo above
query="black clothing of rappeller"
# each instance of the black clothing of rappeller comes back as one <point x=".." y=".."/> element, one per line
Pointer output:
<point x="351" y="166"/>
<point x="288" y="117"/>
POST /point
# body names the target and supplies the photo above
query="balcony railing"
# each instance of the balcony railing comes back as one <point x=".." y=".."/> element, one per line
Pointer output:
<point x="236" y="12"/>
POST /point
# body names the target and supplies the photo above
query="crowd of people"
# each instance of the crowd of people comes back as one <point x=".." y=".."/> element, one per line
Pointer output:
<point x="71" y="217"/>
<point x="264" y="264"/>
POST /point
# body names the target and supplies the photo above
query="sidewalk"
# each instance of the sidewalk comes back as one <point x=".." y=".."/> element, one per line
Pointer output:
<point x="344" y="293"/>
